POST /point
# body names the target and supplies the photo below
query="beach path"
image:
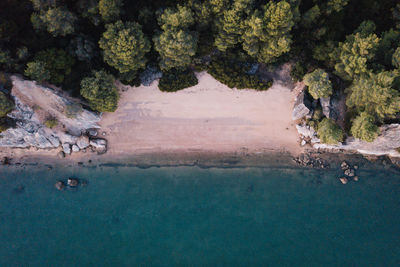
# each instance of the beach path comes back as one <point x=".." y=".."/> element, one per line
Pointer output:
<point x="206" y="117"/>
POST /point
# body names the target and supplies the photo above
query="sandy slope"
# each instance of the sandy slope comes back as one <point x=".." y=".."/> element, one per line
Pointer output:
<point x="206" y="117"/>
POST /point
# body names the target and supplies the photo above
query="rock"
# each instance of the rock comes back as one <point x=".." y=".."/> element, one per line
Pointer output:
<point x="82" y="142"/>
<point x="59" y="185"/>
<point x="326" y="106"/>
<point x="103" y="133"/>
<point x="5" y="161"/>
<point x="355" y="178"/>
<point x="302" y="106"/>
<point x="355" y="167"/>
<point x="99" y="144"/>
<point x="303" y="142"/>
<point x="75" y="148"/>
<point x="349" y="172"/>
<point x="61" y="154"/>
<point x="92" y="132"/>
<point x="344" y="165"/>
<point x="150" y="74"/>
<point x="66" y="148"/>
<point x="306" y="130"/>
<point x="73" y="182"/>
<point x="30" y="130"/>
<point x="343" y="180"/>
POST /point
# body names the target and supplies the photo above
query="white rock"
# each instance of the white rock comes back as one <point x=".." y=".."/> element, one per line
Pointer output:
<point x="66" y="148"/>
<point x="75" y="148"/>
<point x="82" y="142"/>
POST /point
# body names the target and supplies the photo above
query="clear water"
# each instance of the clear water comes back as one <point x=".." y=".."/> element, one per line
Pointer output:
<point x="199" y="217"/>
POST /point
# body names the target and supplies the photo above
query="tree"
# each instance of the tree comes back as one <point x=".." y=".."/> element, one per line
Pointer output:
<point x="396" y="15"/>
<point x="110" y="9"/>
<point x="100" y="91"/>
<point x="82" y="48"/>
<point x="318" y="83"/>
<point x="352" y="56"/>
<point x="311" y="16"/>
<point x="374" y="94"/>
<point x="89" y="9"/>
<point x="125" y="46"/>
<point x="267" y="34"/>
<point x="36" y="70"/>
<point x="176" y="44"/>
<point x="58" y="21"/>
<point x="390" y="40"/>
<point x="230" y="24"/>
<point x="6" y="105"/>
<point x="335" y="5"/>
<point x="57" y="62"/>
<point x="364" y="127"/>
<point x="43" y="4"/>
<point x="396" y="58"/>
<point x="329" y="132"/>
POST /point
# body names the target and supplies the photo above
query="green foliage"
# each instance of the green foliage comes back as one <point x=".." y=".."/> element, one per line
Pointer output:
<point x="396" y="58"/>
<point x="58" y="21"/>
<point x="36" y="70"/>
<point x="6" y="105"/>
<point x="374" y="93"/>
<point x="174" y="80"/>
<point x="82" y="48"/>
<point x="56" y="62"/>
<point x="267" y="34"/>
<point x="329" y="132"/>
<point x="335" y="5"/>
<point x="297" y="72"/>
<point x="110" y="9"/>
<point x="125" y="46"/>
<point x="311" y="16"/>
<point x="396" y="15"/>
<point x="176" y="44"/>
<point x="235" y="76"/>
<point x="230" y="24"/>
<point x="318" y="84"/>
<point x="51" y="122"/>
<point x="352" y="55"/>
<point x="5" y="59"/>
<point x="100" y="91"/>
<point x="387" y="46"/>
<point x="364" y="127"/>
<point x="43" y="4"/>
<point x="89" y="9"/>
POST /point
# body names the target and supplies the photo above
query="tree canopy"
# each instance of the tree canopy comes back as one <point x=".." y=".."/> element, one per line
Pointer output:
<point x="99" y="90"/>
<point x="318" y="84"/>
<point x="329" y="132"/>
<point x="364" y="127"/>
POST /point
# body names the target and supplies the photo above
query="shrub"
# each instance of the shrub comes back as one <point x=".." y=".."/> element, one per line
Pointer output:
<point x="297" y="72"/>
<point x="329" y="132"/>
<point x="364" y="127"/>
<point x="51" y="123"/>
<point x="235" y="76"/>
<point x="175" y="80"/>
<point x="6" y="105"/>
<point x="318" y="83"/>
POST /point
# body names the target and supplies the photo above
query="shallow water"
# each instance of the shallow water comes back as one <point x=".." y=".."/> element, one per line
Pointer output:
<point x="199" y="217"/>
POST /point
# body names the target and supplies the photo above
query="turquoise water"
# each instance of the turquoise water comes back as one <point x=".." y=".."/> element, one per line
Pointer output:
<point x="185" y="216"/>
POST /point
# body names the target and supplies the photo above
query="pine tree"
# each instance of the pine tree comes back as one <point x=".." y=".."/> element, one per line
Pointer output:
<point x="318" y="84"/>
<point x="110" y="9"/>
<point x="364" y="127"/>
<point x="58" y="21"/>
<point x="329" y="132"/>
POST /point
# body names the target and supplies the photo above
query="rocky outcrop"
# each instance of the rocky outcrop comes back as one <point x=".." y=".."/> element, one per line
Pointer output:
<point x="33" y="104"/>
<point x="387" y="143"/>
<point x="307" y="132"/>
<point x="149" y="75"/>
<point x="302" y="106"/>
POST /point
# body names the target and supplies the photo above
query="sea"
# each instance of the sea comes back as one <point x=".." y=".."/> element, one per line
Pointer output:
<point x="189" y="216"/>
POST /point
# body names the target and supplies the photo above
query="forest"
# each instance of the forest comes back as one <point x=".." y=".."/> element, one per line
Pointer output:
<point x="82" y="46"/>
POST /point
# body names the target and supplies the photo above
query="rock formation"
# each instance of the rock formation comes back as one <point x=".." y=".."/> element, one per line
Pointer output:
<point x="302" y="106"/>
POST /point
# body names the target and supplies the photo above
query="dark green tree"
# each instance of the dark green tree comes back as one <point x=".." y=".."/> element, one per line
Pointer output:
<point x="318" y="83"/>
<point x="110" y="9"/>
<point x="58" y="21"/>
<point x="36" y="70"/>
<point x="267" y="34"/>
<point x="364" y="127"/>
<point x="100" y="91"/>
<point x="396" y="58"/>
<point x="125" y="46"/>
<point x="6" y="105"/>
<point x="329" y="132"/>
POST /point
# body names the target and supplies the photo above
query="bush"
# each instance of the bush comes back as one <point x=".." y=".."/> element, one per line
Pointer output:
<point x="51" y="123"/>
<point x="364" y="127"/>
<point x="174" y="80"/>
<point x="297" y="72"/>
<point x="329" y="132"/>
<point x="6" y="105"/>
<point x="72" y="110"/>
<point x="235" y="76"/>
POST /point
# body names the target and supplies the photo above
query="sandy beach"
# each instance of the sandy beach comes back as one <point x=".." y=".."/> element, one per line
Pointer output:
<point x="206" y="117"/>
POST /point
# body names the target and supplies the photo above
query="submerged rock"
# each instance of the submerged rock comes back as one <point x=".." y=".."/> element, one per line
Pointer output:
<point x="344" y="165"/>
<point x="343" y="180"/>
<point x="61" y="154"/>
<point x="349" y="172"/>
<point x="73" y="182"/>
<point x="59" y="185"/>
<point x="355" y="178"/>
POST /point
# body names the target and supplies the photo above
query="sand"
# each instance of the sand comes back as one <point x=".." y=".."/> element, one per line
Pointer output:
<point x="207" y="117"/>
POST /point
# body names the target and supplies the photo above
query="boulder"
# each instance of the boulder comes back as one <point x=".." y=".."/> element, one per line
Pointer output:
<point x="344" y="165"/>
<point x="92" y="132"/>
<point x="349" y="172"/>
<point x="75" y="148"/>
<point x="343" y="180"/>
<point x="302" y="106"/>
<point x="306" y="130"/>
<point x="61" y="154"/>
<point x="73" y="182"/>
<point x="59" y="185"/>
<point x="355" y="178"/>
<point x="326" y="106"/>
<point x="82" y="142"/>
<point x="99" y="144"/>
<point x="66" y="148"/>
